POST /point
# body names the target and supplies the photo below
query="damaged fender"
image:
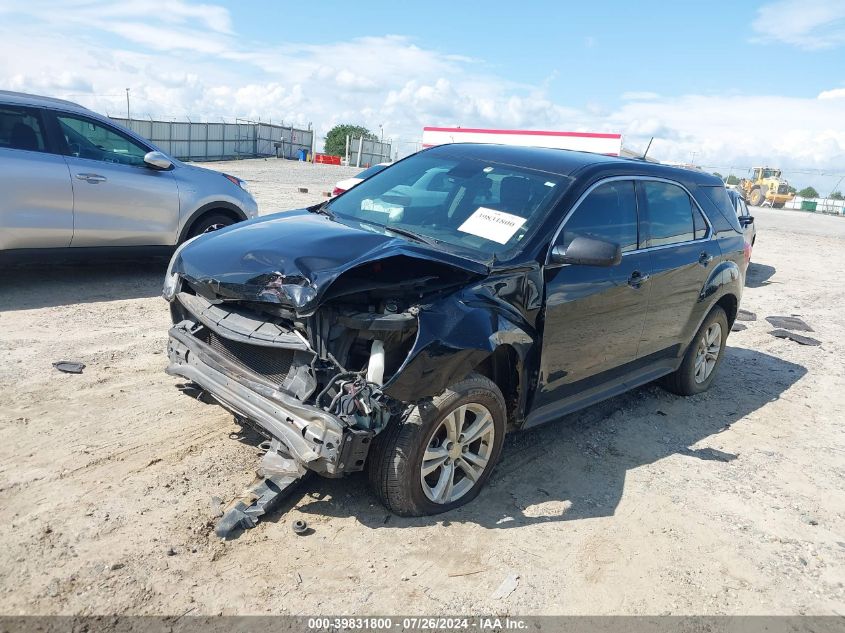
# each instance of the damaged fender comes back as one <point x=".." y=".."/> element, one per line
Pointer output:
<point x="455" y="335"/>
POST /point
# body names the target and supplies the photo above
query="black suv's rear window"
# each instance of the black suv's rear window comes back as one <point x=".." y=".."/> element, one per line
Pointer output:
<point x="718" y="195"/>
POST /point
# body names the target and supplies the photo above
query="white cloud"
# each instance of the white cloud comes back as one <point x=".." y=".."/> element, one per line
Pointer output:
<point x="835" y="93"/>
<point x="192" y="63"/>
<point x="807" y="24"/>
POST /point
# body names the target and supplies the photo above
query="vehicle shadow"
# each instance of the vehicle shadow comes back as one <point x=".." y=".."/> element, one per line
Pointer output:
<point x="43" y="285"/>
<point x="758" y="275"/>
<point x="575" y="468"/>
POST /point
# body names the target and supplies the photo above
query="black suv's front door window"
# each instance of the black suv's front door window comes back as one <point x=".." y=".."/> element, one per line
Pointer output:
<point x="608" y="213"/>
<point x="670" y="214"/>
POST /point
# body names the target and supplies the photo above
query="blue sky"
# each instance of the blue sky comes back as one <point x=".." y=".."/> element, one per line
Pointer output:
<point x="734" y="84"/>
<point x="587" y="52"/>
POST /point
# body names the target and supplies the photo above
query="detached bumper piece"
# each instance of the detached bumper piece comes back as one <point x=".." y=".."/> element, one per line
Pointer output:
<point x="276" y="476"/>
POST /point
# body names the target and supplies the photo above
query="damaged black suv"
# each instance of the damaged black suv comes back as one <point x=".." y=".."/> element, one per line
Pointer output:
<point x="405" y="326"/>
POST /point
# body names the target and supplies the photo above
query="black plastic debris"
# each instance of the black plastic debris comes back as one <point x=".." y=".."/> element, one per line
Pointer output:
<point x="792" y="336"/>
<point x="277" y="475"/>
<point x="69" y="366"/>
<point x="789" y="323"/>
<point x="738" y="327"/>
<point x="745" y="315"/>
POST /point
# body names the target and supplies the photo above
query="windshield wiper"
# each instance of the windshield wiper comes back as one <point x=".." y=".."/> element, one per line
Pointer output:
<point x="322" y="209"/>
<point x="414" y="236"/>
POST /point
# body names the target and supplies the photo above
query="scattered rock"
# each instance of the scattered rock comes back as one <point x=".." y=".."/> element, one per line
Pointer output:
<point x="171" y="551"/>
<point x="745" y="315"/>
<point x="738" y="327"/>
<point x="116" y="566"/>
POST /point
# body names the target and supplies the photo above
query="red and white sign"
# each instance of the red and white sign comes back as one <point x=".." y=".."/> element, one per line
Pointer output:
<point x="610" y="144"/>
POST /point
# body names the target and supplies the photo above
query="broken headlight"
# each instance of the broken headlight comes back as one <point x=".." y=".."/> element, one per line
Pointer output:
<point x="171" y="278"/>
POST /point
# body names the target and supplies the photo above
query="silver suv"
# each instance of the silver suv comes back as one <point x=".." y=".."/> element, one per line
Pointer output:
<point x="72" y="178"/>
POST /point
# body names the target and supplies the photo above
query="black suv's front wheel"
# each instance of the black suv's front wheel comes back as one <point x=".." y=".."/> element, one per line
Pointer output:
<point x="703" y="356"/>
<point x="441" y="455"/>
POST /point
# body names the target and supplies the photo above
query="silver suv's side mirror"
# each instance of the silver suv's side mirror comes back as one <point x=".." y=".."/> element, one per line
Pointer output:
<point x="157" y="160"/>
<point x="587" y="251"/>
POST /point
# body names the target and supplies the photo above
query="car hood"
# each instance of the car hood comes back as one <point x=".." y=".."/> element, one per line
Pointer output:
<point x="293" y="258"/>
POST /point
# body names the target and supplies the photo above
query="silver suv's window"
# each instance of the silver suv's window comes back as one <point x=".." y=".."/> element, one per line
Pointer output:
<point x="88" y="139"/>
<point x="672" y="216"/>
<point x="20" y="129"/>
<point x="609" y="213"/>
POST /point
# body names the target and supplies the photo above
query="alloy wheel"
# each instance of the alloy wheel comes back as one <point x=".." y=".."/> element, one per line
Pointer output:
<point x="457" y="453"/>
<point x="707" y="352"/>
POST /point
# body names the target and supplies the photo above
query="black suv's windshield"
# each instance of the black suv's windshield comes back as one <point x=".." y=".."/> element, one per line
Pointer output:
<point x="481" y="207"/>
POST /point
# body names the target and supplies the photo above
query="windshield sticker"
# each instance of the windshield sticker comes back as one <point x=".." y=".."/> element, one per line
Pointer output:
<point x="493" y="225"/>
<point x="549" y="184"/>
<point x="392" y="211"/>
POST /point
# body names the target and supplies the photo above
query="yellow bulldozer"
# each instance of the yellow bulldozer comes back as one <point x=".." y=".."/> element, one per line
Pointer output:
<point x="765" y="185"/>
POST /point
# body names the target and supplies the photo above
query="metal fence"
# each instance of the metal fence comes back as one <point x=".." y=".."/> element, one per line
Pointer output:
<point x="189" y="140"/>
<point x="371" y="152"/>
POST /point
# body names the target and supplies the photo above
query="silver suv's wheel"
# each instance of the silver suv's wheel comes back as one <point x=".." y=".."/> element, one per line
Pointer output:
<point x="441" y="455"/>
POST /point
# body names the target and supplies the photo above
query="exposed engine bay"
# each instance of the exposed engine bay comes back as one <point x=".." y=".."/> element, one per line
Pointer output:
<point x="322" y="352"/>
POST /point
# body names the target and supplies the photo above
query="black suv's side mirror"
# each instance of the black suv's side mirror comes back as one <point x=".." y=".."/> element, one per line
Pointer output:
<point x="587" y="251"/>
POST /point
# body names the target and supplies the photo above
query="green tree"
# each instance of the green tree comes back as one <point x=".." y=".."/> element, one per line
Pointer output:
<point x="836" y="195"/>
<point x="718" y="175"/>
<point x="808" y="192"/>
<point x="791" y="189"/>
<point x="732" y="180"/>
<point x="336" y="138"/>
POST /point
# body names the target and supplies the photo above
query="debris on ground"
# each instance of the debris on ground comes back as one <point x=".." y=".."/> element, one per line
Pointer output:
<point x="745" y="315"/>
<point x="300" y="527"/>
<point x="303" y="189"/>
<point x="789" y="323"/>
<point x="69" y="366"/>
<point x="798" y="338"/>
<point x="507" y="587"/>
<point x="276" y="476"/>
<point x="738" y="327"/>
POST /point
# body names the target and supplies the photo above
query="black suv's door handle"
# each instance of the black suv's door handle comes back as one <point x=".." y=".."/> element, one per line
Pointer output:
<point x="705" y="258"/>
<point x="637" y="278"/>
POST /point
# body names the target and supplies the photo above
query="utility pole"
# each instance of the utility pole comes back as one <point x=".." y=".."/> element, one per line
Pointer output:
<point x="692" y="158"/>
<point x="127" y="104"/>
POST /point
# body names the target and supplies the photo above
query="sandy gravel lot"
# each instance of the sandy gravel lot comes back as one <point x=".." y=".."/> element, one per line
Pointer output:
<point x="728" y="502"/>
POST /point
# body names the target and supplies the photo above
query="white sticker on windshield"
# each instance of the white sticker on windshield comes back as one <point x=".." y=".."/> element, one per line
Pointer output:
<point x="490" y="224"/>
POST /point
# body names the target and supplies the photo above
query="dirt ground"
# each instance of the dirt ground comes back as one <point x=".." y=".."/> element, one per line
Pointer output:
<point x="725" y="503"/>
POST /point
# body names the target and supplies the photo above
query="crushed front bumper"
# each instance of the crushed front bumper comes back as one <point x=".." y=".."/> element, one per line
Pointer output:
<point x="317" y="439"/>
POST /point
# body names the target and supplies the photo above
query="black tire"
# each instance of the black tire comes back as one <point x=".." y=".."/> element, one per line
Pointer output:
<point x="683" y="381"/>
<point x="757" y="197"/>
<point x="210" y="222"/>
<point x="778" y="205"/>
<point x="396" y="457"/>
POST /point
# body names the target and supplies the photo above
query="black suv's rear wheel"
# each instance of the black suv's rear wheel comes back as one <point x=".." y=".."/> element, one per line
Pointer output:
<point x="703" y="356"/>
<point x="441" y="455"/>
